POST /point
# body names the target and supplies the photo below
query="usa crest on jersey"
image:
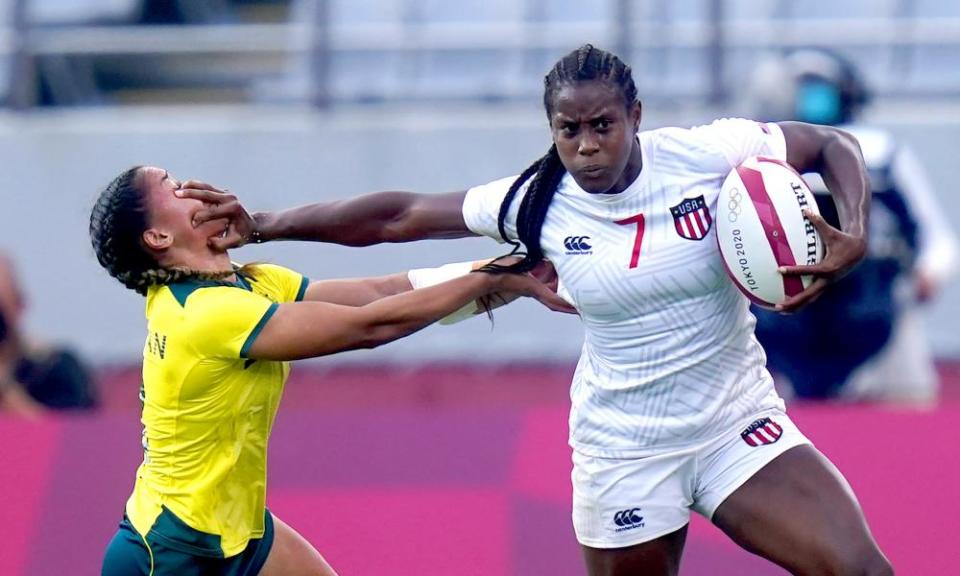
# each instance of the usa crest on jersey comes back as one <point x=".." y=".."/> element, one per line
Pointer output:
<point x="762" y="431"/>
<point x="692" y="218"/>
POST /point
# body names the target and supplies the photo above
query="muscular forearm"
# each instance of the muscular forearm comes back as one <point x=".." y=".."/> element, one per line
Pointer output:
<point x="357" y="291"/>
<point x="363" y="291"/>
<point x="368" y="219"/>
<point x="308" y="329"/>
<point x="835" y="155"/>
<point x="359" y="221"/>
<point x="424" y="277"/>
<point x="843" y="171"/>
<point x="406" y="313"/>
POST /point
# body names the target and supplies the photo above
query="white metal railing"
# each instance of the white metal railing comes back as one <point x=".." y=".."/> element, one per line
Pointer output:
<point x="298" y="37"/>
<point x="325" y="41"/>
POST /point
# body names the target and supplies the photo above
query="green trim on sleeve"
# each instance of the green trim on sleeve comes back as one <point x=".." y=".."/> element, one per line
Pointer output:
<point x="304" y="282"/>
<point x="256" y="329"/>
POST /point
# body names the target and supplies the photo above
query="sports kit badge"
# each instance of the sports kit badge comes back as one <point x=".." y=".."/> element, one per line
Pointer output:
<point x="692" y="218"/>
<point x="761" y="432"/>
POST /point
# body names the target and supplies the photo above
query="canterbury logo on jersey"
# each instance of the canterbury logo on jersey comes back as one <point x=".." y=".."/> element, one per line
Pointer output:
<point x="577" y="245"/>
<point x="761" y="432"/>
<point x="628" y="519"/>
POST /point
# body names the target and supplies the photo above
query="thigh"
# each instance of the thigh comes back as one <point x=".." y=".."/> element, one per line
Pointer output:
<point x="799" y="512"/>
<point x="660" y="557"/>
<point x="292" y="555"/>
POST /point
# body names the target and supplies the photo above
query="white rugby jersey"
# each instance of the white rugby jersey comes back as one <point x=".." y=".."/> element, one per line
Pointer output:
<point x="669" y="356"/>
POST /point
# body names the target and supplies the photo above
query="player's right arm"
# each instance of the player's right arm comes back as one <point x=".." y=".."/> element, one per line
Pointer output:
<point x="360" y="221"/>
<point x="308" y="329"/>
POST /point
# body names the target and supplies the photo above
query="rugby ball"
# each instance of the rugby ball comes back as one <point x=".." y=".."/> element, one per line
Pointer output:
<point x="760" y="227"/>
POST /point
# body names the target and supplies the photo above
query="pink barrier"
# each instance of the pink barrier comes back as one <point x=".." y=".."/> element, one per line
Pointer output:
<point x="451" y="488"/>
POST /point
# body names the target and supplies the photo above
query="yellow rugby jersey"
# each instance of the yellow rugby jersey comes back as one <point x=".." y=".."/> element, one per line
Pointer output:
<point x="208" y="411"/>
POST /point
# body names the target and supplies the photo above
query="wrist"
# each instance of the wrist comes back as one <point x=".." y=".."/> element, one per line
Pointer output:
<point x="261" y="231"/>
<point x="493" y="281"/>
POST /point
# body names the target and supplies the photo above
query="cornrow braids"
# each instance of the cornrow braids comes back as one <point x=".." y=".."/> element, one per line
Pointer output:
<point x="585" y="64"/>
<point x="117" y="222"/>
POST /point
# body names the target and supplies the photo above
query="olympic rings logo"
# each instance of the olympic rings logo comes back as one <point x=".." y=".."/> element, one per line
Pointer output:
<point x="734" y="208"/>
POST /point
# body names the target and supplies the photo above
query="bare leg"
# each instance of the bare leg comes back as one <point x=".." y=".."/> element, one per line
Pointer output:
<point x="660" y="557"/>
<point x="292" y="555"/>
<point x="799" y="512"/>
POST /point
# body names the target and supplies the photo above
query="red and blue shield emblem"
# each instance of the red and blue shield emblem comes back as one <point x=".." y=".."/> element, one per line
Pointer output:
<point x="692" y="218"/>
<point x="761" y="432"/>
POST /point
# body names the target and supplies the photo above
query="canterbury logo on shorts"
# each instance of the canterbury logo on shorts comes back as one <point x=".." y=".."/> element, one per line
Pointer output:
<point x="761" y="432"/>
<point x="627" y="519"/>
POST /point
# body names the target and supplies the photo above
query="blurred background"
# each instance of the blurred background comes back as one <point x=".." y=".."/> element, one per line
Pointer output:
<point x="446" y="453"/>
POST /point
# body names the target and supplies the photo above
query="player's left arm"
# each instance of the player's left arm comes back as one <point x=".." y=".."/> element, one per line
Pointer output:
<point x="363" y="291"/>
<point x="836" y="156"/>
<point x="357" y="291"/>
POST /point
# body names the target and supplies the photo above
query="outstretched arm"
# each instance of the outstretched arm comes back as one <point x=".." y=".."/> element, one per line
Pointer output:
<point x="361" y="221"/>
<point x="308" y="329"/>
<point x="836" y="156"/>
<point x="357" y="291"/>
<point x="363" y="291"/>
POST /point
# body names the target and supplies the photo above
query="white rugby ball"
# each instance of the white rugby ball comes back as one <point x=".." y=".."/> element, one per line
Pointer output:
<point x="760" y="227"/>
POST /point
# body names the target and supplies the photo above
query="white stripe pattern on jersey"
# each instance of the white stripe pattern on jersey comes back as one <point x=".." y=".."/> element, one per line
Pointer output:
<point x="669" y="357"/>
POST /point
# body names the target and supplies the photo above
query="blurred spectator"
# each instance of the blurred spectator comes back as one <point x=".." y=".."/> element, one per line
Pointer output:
<point x="864" y="340"/>
<point x="35" y="374"/>
<point x="13" y="398"/>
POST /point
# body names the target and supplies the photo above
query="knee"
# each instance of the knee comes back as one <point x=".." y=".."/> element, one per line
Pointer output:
<point x="863" y="563"/>
<point x="879" y="566"/>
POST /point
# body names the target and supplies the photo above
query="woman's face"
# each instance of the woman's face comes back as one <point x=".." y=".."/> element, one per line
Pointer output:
<point x="170" y="217"/>
<point x="595" y="135"/>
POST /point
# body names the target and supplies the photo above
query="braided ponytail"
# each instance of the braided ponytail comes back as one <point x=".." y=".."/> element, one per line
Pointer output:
<point x="546" y="173"/>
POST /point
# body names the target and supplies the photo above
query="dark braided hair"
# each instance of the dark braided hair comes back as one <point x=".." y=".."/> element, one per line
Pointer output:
<point x="585" y="64"/>
<point x="117" y="223"/>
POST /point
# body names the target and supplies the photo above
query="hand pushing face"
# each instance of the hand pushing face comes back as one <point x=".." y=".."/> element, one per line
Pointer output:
<point x="171" y="216"/>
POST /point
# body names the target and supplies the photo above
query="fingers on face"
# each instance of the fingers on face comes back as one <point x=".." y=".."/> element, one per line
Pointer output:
<point x="199" y="194"/>
<point x="214" y="197"/>
<point x="232" y="240"/>
<point x="214" y="212"/>
<point x="201" y="185"/>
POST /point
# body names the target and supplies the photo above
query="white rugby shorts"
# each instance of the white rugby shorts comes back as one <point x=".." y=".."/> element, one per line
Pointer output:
<point x="623" y="502"/>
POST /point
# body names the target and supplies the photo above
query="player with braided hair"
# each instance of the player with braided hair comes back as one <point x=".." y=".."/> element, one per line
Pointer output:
<point x="672" y="409"/>
<point x="214" y="365"/>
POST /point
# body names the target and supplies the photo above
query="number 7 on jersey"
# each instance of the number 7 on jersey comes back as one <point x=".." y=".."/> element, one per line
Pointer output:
<point x="638" y="241"/>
